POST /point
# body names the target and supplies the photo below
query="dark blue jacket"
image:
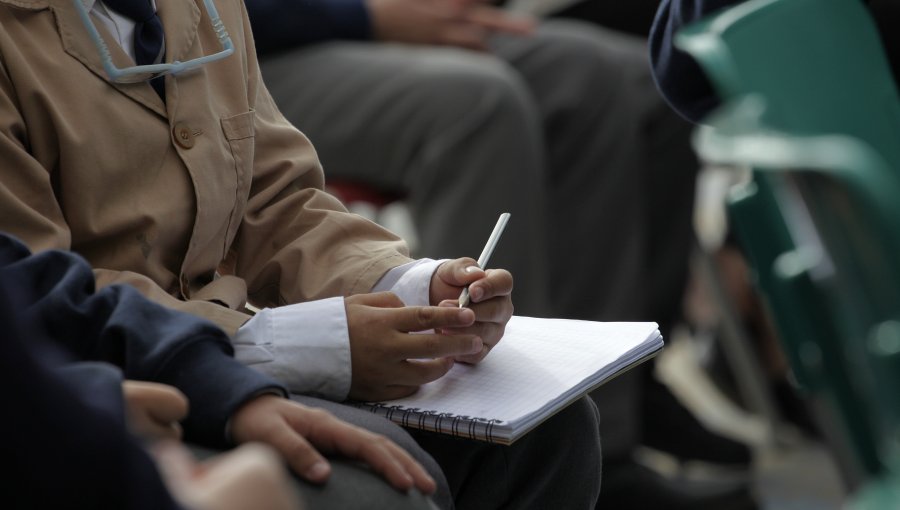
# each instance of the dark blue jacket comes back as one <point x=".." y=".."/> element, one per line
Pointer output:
<point x="55" y="291"/>
<point x="284" y="24"/>
<point x="65" y="442"/>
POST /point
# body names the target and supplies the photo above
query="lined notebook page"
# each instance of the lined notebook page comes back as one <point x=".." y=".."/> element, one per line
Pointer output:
<point x="539" y="363"/>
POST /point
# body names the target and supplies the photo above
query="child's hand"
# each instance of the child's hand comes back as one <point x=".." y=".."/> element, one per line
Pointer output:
<point x="490" y="295"/>
<point x="297" y="431"/>
<point x="153" y="410"/>
<point x="392" y="349"/>
<point x="246" y="478"/>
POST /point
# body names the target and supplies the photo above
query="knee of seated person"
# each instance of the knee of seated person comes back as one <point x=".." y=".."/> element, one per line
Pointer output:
<point x="574" y="433"/>
<point x="465" y="81"/>
<point x="582" y="418"/>
<point x="585" y="452"/>
<point x="378" y="425"/>
<point x="401" y="437"/>
<point x="573" y="437"/>
<point x="589" y="52"/>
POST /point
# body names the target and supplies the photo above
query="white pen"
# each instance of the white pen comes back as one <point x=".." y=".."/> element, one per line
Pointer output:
<point x="486" y="253"/>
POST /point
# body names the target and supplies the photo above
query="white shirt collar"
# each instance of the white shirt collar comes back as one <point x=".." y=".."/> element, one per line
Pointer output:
<point x="121" y="27"/>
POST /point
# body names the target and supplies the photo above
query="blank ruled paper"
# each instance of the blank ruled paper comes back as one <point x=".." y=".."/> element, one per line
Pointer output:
<point x="539" y="367"/>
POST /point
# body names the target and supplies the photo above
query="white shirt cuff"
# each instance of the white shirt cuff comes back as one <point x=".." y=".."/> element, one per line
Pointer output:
<point x="411" y="282"/>
<point x="305" y="346"/>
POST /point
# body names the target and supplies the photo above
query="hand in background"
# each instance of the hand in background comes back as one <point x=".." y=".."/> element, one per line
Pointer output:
<point x="463" y="23"/>
<point x="389" y="359"/>
<point x="153" y="410"/>
<point x="246" y="478"/>
<point x="490" y="295"/>
<point x="297" y="432"/>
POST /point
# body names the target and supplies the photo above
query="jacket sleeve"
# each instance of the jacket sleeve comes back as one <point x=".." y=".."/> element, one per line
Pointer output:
<point x="147" y="341"/>
<point x="677" y="74"/>
<point x="297" y="243"/>
<point x="66" y="438"/>
<point x="283" y="24"/>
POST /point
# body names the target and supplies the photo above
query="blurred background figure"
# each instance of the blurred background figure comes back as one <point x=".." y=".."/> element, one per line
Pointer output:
<point x="690" y="93"/>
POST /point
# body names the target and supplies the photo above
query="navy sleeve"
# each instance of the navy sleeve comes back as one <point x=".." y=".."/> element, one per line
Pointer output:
<point x="887" y="17"/>
<point x="677" y="74"/>
<point x="283" y="24"/>
<point x="147" y="341"/>
<point x="65" y="442"/>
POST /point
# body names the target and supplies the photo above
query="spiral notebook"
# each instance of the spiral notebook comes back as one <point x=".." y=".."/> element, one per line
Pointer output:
<point x="539" y="367"/>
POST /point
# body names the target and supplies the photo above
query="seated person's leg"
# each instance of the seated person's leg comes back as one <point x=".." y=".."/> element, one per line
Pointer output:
<point x="454" y="130"/>
<point x="613" y="144"/>
<point x="556" y="465"/>
<point x="588" y="86"/>
<point x="351" y="486"/>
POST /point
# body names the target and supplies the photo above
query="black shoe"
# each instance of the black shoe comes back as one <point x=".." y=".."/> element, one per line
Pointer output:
<point x="629" y="485"/>
<point x="671" y="428"/>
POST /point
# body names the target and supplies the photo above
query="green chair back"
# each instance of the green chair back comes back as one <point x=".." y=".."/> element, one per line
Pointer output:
<point x="819" y="63"/>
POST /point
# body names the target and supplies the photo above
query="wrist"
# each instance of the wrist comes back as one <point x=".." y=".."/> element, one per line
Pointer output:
<point x="247" y="413"/>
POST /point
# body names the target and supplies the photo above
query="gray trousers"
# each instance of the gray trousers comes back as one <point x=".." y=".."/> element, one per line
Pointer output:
<point x="564" y="129"/>
<point x="555" y="465"/>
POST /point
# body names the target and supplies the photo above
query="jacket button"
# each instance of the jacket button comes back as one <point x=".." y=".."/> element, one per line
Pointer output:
<point x="183" y="135"/>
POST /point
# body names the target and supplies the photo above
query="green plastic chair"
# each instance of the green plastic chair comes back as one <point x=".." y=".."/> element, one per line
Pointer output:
<point x="811" y="107"/>
<point x="819" y="64"/>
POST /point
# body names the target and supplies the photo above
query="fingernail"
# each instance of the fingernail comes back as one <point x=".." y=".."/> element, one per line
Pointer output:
<point x="477" y="345"/>
<point x="475" y="293"/>
<point x="317" y="470"/>
<point x="472" y="269"/>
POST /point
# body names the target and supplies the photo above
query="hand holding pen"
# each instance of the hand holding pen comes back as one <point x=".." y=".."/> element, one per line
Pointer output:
<point x="396" y="348"/>
<point x="465" y="282"/>
<point x="464" y="297"/>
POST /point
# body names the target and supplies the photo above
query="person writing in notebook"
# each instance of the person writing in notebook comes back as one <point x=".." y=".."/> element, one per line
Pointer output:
<point x="194" y="189"/>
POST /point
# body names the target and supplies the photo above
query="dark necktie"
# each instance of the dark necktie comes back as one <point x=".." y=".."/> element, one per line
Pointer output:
<point x="148" y="35"/>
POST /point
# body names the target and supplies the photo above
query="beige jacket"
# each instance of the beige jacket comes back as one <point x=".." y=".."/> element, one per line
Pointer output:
<point x="165" y="196"/>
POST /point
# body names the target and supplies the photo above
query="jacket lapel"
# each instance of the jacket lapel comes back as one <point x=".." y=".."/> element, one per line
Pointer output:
<point x="180" y="19"/>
